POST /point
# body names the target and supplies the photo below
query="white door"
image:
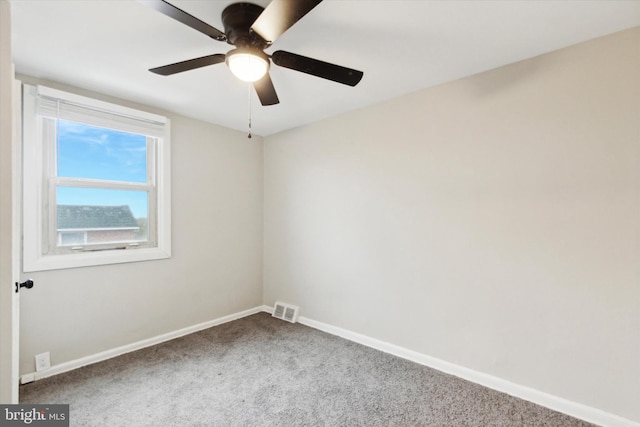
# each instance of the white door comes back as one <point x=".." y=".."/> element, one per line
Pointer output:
<point x="10" y="196"/>
<point x="10" y="220"/>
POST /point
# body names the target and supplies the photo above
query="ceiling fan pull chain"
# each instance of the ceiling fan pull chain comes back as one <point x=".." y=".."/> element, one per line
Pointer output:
<point x="249" y="92"/>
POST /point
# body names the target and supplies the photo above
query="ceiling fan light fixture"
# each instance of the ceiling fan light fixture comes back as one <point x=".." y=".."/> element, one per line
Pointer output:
<point x="248" y="65"/>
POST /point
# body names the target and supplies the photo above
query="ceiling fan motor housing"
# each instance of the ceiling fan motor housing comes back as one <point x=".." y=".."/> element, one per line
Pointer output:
<point x="237" y="19"/>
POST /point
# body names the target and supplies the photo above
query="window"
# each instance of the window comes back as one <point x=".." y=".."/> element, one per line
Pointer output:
<point x="96" y="182"/>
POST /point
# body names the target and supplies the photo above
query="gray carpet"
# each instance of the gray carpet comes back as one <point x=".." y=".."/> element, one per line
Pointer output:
<point x="261" y="371"/>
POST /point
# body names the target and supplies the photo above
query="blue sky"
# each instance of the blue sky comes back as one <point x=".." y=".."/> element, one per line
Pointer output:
<point x="106" y="154"/>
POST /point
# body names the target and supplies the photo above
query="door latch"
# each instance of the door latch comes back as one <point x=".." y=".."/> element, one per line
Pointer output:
<point x="26" y="284"/>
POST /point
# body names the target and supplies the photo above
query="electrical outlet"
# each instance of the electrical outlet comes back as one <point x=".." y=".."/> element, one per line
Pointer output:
<point x="43" y="361"/>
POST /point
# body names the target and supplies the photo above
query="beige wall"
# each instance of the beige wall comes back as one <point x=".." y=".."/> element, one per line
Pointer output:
<point x="216" y="268"/>
<point x="492" y="222"/>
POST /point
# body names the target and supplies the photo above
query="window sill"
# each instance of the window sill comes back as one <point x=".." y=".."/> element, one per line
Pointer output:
<point x="87" y="259"/>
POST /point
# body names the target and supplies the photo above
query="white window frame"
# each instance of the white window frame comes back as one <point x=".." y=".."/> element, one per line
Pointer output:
<point x="39" y="183"/>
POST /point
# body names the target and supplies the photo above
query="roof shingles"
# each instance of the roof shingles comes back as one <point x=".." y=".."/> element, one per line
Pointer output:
<point x="95" y="217"/>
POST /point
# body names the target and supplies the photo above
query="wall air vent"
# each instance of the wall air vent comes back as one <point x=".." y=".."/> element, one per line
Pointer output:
<point x="286" y="312"/>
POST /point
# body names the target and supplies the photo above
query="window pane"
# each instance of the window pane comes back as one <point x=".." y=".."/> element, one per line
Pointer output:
<point x="102" y="215"/>
<point x="70" y="238"/>
<point x="98" y="153"/>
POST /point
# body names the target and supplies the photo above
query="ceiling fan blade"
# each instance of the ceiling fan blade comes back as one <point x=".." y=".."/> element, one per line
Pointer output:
<point x="317" y="68"/>
<point x="187" y="19"/>
<point x="190" y="64"/>
<point x="279" y="16"/>
<point x="265" y="90"/>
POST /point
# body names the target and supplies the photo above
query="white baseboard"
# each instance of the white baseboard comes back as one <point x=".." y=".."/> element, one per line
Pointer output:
<point x="577" y="410"/>
<point x="99" y="357"/>
<point x="559" y="404"/>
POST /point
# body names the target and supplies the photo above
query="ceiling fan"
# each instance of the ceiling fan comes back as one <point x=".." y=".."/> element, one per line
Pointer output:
<point x="251" y="29"/>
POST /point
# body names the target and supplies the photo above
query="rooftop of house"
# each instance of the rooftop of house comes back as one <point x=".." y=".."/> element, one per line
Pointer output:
<point x="95" y="217"/>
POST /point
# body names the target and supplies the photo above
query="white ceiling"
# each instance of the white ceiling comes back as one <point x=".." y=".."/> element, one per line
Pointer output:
<point x="401" y="45"/>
